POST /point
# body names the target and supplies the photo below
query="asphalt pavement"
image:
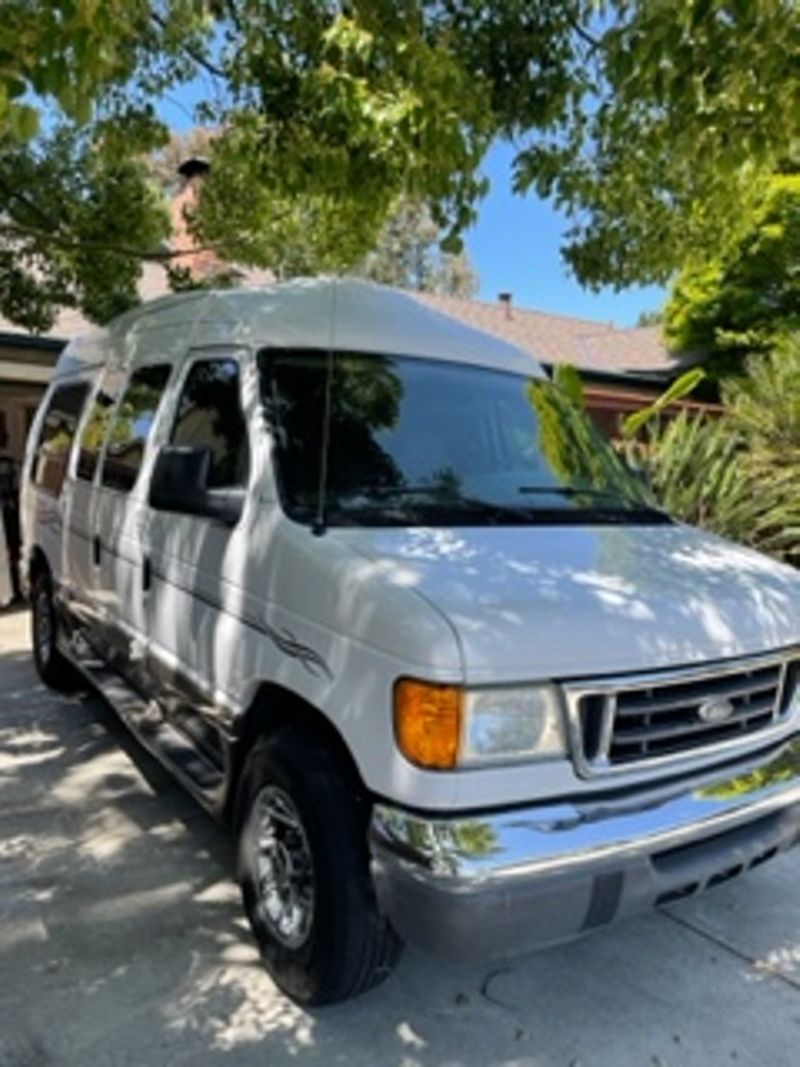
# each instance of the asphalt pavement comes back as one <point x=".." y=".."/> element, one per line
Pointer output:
<point x="122" y="941"/>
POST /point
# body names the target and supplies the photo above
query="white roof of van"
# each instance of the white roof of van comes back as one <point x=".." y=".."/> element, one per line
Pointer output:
<point x="343" y="314"/>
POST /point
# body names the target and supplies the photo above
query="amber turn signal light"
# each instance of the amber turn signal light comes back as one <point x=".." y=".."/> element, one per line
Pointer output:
<point x="427" y="722"/>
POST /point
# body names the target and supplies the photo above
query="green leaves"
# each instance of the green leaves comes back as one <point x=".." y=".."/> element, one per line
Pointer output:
<point x="654" y="126"/>
<point x="569" y="381"/>
<point x="76" y="223"/>
<point x="71" y="53"/>
<point x="685" y="384"/>
<point x="740" y="300"/>
<point x="693" y="104"/>
<point x="737" y="474"/>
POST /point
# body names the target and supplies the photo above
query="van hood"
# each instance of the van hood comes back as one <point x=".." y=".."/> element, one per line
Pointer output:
<point x="532" y="602"/>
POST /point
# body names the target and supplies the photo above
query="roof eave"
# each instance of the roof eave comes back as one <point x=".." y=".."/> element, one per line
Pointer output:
<point x="33" y="341"/>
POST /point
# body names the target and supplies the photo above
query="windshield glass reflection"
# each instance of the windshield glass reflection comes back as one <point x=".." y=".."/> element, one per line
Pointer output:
<point x="423" y="442"/>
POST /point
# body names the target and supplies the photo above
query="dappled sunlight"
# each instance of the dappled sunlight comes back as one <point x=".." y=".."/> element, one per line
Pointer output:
<point x="436" y="544"/>
<point x="579" y="599"/>
<point x="21" y="747"/>
<point x="409" y="1037"/>
<point x="29" y="848"/>
<point x="784" y="960"/>
<point x="616" y="593"/>
<point x="23" y="932"/>
<point x="222" y="891"/>
<point x="237" y="1005"/>
<point x="106" y="834"/>
<point x="713" y="621"/>
<point x="714" y="554"/>
<point x="99" y="776"/>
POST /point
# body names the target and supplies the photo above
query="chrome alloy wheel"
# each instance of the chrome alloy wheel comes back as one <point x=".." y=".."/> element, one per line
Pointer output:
<point x="284" y="867"/>
<point x="45" y="625"/>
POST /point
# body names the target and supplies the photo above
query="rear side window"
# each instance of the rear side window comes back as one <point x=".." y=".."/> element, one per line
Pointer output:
<point x="130" y="427"/>
<point x="57" y="433"/>
<point x="95" y="430"/>
<point x="210" y="416"/>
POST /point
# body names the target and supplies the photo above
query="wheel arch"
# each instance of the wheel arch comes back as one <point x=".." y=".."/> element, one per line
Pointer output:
<point x="275" y="706"/>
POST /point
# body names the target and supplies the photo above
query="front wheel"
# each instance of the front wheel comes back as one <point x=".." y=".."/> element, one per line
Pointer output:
<point x="53" y="668"/>
<point x="304" y="872"/>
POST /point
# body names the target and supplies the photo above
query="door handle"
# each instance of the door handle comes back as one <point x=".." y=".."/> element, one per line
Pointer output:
<point x="147" y="574"/>
<point x="96" y="550"/>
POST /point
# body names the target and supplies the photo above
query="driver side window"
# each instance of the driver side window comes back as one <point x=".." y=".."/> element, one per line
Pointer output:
<point x="210" y="415"/>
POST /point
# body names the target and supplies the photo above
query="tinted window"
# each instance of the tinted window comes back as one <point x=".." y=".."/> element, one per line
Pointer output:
<point x="95" y="430"/>
<point x="210" y="416"/>
<point x="418" y="442"/>
<point x="55" y="439"/>
<point x="130" y="427"/>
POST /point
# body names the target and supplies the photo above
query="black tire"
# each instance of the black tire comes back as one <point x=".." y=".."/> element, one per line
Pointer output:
<point x="52" y="666"/>
<point x="345" y="947"/>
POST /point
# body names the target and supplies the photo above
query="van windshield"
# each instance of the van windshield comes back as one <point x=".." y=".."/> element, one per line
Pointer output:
<point x="416" y="442"/>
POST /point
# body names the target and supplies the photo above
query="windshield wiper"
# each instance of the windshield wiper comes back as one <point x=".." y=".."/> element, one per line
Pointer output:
<point x="434" y="501"/>
<point x="438" y="498"/>
<point x="573" y="491"/>
<point x="607" y="500"/>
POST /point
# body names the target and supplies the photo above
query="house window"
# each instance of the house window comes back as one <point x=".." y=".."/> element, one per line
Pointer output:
<point x="130" y="427"/>
<point x="57" y="434"/>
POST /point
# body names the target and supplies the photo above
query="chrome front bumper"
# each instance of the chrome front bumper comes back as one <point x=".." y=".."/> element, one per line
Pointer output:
<point x="496" y="884"/>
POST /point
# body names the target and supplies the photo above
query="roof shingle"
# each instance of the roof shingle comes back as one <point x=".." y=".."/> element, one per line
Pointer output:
<point x="589" y="345"/>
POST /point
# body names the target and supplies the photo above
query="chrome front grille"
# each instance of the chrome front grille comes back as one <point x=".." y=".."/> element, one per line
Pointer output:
<point x="619" y="723"/>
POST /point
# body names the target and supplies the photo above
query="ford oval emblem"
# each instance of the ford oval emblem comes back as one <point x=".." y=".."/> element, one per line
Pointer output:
<point x="714" y="711"/>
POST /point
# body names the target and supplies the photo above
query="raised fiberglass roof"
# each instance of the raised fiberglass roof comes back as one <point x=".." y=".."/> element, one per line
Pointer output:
<point x="343" y="314"/>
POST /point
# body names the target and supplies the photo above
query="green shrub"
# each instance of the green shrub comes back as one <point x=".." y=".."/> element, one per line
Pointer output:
<point x="737" y="474"/>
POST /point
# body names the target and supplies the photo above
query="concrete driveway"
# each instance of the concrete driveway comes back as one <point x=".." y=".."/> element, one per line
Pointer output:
<point x="122" y="941"/>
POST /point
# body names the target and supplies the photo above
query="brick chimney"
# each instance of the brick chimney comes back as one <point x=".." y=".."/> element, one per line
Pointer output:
<point x="505" y="301"/>
<point x="200" y="264"/>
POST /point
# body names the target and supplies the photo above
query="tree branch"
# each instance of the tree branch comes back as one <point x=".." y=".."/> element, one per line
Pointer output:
<point x="71" y="244"/>
<point x="191" y="52"/>
<point x="17" y="194"/>
<point x="583" y="33"/>
<point x="233" y="14"/>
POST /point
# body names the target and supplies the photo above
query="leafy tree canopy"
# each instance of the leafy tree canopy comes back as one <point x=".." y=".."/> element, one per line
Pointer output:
<point x="652" y="124"/>
<point x="743" y="298"/>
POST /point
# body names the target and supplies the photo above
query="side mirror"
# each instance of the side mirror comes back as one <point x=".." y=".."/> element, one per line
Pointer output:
<point x="180" y="484"/>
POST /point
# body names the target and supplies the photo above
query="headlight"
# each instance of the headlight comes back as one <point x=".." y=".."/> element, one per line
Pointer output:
<point x="444" y="726"/>
<point x="503" y="724"/>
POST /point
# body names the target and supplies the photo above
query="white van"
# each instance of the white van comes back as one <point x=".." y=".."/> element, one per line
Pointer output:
<point x="380" y="597"/>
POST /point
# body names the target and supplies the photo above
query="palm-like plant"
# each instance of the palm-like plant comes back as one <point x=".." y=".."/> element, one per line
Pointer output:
<point x="737" y="474"/>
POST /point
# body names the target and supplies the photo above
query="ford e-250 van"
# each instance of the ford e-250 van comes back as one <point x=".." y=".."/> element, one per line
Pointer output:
<point x="372" y="589"/>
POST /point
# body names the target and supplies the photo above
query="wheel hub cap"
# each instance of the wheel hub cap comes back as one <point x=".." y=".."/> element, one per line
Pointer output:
<point x="283" y="867"/>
